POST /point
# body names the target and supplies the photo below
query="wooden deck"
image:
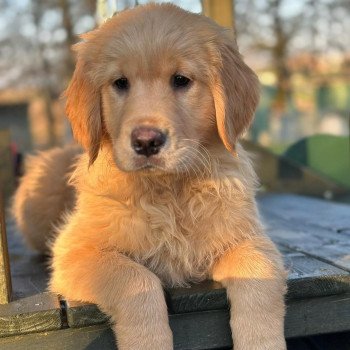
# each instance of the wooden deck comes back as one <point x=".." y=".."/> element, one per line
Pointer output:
<point x="313" y="235"/>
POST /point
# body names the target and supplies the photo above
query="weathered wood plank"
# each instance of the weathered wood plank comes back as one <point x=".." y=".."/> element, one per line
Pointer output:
<point x="309" y="277"/>
<point x="5" y="274"/>
<point x="322" y="243"/>
<point x="195" y="330"/>
<point x="318" y="316"/>
<point x="92" y="338"/>
<point x="191" y="331"/>
<point x="208" y="295"/>
<point x="308" y="211"/>
<point x="201" y="330"/>
<point x="37" y="313"/>
<point x="83" y="314"/>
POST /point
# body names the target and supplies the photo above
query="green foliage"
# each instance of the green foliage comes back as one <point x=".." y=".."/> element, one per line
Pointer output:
<point x="327" y="154"/>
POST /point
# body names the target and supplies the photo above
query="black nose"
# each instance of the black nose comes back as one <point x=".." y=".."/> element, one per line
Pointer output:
<point x="147" y="141"/>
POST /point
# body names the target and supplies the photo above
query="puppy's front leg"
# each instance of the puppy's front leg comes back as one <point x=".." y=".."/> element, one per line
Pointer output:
<point x="254" y="277"/>
<point x="131" y="294"/>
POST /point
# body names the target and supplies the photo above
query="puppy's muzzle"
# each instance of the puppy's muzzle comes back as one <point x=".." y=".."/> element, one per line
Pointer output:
<point x="147" y="141"/>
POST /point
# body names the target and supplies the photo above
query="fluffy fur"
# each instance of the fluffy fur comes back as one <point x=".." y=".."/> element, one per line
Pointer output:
<point x="183" y="215"/>
<point x="44" y="194"/>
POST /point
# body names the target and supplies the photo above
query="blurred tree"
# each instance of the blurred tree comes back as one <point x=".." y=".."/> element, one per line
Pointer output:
<point x="35" y="42"/>
<point x="271" y="31"/>
<point x="282" y="29"/>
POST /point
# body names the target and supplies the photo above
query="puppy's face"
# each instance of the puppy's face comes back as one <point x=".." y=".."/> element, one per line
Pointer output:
<point x="159" y="85"/>
<point x="157" y="109"/>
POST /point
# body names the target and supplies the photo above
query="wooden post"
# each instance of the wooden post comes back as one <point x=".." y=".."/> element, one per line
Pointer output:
<point x="7" y="176"/>
<point x="5" y="275"/>
<point x="221" y="11"/>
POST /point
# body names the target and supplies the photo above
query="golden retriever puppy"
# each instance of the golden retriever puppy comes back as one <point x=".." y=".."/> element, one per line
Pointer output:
<point x="165" y="193"/>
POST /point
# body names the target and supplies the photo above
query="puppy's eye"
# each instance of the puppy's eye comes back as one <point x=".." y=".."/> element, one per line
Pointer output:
<point x="180" y="81"/>
<point x="121" y="83"/>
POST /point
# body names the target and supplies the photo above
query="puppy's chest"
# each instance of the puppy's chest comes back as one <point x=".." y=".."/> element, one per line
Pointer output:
<point x="177" y="237"/>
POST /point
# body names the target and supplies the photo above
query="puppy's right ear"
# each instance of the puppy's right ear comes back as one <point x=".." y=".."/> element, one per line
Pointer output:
<point x="235" y="91"/>
<point x="83" y="109"/>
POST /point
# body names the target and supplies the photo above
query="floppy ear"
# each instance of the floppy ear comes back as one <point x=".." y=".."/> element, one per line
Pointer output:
<point x="83" y="108"/>
<point x="236" y="94"/>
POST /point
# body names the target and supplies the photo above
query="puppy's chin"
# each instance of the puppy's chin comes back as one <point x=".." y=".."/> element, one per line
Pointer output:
<point x="153" y="167"/>
<point x="142" y="165"/>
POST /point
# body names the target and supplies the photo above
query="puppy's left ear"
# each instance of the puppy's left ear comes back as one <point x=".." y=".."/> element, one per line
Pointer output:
<point x="236" y="93"/>
<point x="84" y="111"/>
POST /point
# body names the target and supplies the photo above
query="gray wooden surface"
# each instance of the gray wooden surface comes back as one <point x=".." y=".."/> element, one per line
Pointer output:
<point x="313" y="227"/>
<point x="312" y="235"/>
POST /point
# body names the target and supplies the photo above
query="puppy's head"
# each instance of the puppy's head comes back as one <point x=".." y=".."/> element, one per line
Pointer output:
<point x="159" y="85"/>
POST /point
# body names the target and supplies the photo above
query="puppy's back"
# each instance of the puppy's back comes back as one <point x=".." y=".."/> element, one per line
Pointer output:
<point x="44" y="195"/>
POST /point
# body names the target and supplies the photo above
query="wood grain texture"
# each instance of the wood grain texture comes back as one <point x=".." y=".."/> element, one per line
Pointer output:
<point x="208" y="295"/>
<point x="306" y="230"/>
<point x="308" y="211"/>
<point x="83" y="314"/>
<point x="87" y="338"/>
<point x="309" y="277"/>
<point x="36" y="313"/>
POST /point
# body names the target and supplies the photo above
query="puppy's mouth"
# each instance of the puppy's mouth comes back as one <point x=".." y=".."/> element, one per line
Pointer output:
<point x="148" y="164"/>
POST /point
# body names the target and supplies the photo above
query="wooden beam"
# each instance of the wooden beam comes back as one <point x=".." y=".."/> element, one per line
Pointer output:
<point x="37" y="313"/>
<point x="196" y="330"/>
<point x="221" y="11"/>
<point x="7" y="176"/>
<point x="5" y="275"/>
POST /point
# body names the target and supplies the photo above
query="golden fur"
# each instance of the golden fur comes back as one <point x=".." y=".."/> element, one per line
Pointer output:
<point x="183" y="215"/>
<point x="44" y="194"/>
